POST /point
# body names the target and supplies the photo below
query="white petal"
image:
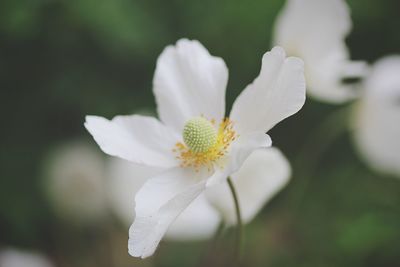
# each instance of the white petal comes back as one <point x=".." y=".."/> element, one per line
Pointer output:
<point x="158" y="203"/>
<point x="238" y="153"/>
<point x="277" y="93"/>
<point x="315" y="30"/>
<point x="189" y="82"/>
<point x="377" y="117"/>
<point x="198" y="221"/>
<point x="124" y="181"/>
<point x="324" y="79"/>
<point x="140" y="139"/>
<point x="263" y="174"/>
<point x="383" y="80"/>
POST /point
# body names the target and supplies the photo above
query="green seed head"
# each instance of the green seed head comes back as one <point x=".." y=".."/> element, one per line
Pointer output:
<point x="199" y="135"/>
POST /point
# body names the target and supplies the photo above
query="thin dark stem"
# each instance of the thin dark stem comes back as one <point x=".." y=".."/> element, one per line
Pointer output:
<point x="239" y="231"/>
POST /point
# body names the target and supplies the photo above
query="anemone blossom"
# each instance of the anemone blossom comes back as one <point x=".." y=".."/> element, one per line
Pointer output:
<point x="194" y="143"/>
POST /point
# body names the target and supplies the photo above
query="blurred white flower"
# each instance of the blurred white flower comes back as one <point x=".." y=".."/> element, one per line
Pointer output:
<point x="18" y="258"/>
<point x="315" y="30"/>
<point x="263" y="174"/>
<point x="197" y="222"/>
<point x="377" y="117"/>
<point x="194" y="143"/>
<point x="75" y="183"/>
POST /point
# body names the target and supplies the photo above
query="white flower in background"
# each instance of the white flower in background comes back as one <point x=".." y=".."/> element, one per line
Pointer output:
<point x="197" y="222"/>
<point x="194" y="143"/>
<point x="75" y="183"/>
<point x="377" y="117"/>
<point x="18" y="258"/>
<point x="315" y="30"/>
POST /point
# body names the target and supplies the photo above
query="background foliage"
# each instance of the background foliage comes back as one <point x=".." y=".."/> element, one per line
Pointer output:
<point x="63" y="59"/>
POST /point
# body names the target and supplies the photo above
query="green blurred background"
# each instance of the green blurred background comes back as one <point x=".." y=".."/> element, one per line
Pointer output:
<point x="63" y="59"/>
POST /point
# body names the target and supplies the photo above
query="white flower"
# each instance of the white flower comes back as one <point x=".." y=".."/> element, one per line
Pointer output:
<point x="315" y="30"/>
<point x="18" y="258"/>
<point x="75" y="183"/>
<point x="197" y="222"/>
<point x="194" y="143"/>
<point x="377" y="117"/>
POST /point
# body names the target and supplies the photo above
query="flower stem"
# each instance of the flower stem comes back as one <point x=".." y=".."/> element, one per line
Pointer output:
<point x="239" y="231"/>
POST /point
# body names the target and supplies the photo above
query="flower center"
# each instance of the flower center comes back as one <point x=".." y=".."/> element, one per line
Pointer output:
<point x="203" y="144"/>
<point x="199" y="135"/>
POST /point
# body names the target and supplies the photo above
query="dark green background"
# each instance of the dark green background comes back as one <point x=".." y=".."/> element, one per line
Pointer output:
<point x="61" y="60"/>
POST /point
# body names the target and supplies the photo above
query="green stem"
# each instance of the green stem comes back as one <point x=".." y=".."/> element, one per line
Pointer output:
<point x="239" y="231"/>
